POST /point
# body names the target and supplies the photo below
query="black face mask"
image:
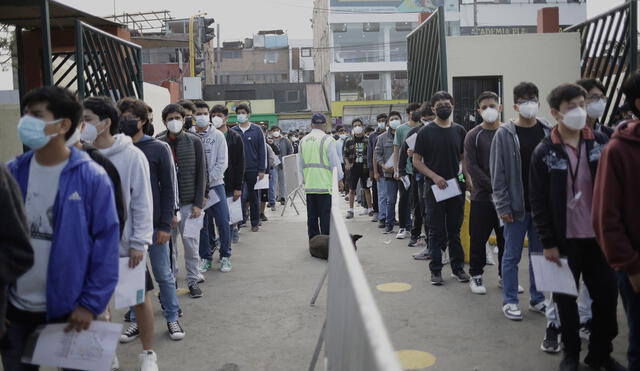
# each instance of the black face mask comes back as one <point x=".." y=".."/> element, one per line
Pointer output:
<point x="129" y="127"/>
<point x="148" y="129"/>
<point x="443" y="112"/>
<point x="188" y="122"/>
<point x="415" y="116"/>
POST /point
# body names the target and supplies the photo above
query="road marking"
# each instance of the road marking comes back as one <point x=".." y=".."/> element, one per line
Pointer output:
<point x="415" y="359"/>
<point x="182" y="291"/>
<point x="394" y="287"/>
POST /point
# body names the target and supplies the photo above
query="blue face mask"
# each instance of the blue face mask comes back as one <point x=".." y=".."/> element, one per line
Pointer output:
<point x="31" y="131"/>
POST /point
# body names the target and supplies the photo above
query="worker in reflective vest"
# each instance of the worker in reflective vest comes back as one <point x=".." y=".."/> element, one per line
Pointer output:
<point x="318" y="157"/>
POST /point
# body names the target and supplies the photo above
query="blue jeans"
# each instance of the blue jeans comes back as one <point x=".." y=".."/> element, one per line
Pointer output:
<point x="631" y="302"/>
<point x="392" y="196"/>
<point x="207" y="234"/>
<point x="161" y="267"/>
<point x="514" y="242"/>
<point x="382" y="199"/>
<point x="273" y="182"/>
<point x="220" y="214"/>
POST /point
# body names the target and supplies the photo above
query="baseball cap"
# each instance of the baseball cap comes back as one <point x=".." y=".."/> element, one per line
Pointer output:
<point x="318" y="118"/>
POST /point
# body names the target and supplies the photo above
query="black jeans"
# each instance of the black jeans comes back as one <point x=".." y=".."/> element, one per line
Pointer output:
<point x="585" y="257"/>
<point x="631" y="302"/>
<point x="417" y="208"/>
<point x="251" y="195"/>
<point x="404" y="212"/>
<point x="374" y="189"/>
<point x="445" y="220"/>
<point x="482" y="220"/>
<point x="318" y="210"/>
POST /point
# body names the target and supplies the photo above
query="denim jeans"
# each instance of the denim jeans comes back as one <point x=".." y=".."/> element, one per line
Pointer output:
<point x="273" y="182"/>
<point x="220" y="214"/>
<point x="514" y="234"/>
<point x="631" y="302"/>
<point x="191" y="245"/>
<point x="382" y="199"/>
<point x="280" y="193"/>
<point x="391" y="188"/>
<point x="251" y="195"/>
<point x="445" y="220"/>
<point x="207" y="234"/>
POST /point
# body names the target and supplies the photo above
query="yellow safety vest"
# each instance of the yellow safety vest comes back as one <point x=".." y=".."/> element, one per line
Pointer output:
<point x="318" y="173"/>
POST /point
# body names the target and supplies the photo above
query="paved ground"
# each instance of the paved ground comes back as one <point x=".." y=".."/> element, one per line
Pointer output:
<point x="258" y="317"/>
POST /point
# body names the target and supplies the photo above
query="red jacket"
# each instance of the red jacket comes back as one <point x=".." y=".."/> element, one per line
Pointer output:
<point x="616" y="199"/>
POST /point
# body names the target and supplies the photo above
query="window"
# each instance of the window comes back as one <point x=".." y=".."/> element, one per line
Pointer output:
<point x="403" y="26"/>
<point x="399" y="85"/>
<point x="293" y="96"/>
<point x="240" y="94"/>
<point x="371" y="27"/>
<point x="270" y="57"/>
<point x="339" y="27"/>
<point x="305" y="52"/>
<point x="358" y="86"/>
<point x="355" y="46"/>
<point x="232" y="54"/>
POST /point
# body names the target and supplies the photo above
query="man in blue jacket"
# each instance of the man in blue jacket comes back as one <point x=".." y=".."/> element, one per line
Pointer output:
<point x="70" y="207"/>
<point x="255" y="160"/>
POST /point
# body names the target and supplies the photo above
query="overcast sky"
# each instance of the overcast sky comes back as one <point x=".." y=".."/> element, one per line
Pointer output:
<point x="238" y="18"/>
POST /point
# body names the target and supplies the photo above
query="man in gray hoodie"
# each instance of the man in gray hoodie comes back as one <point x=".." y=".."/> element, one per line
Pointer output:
<point x="509" y="159"/>
<point x="285" y="148"/>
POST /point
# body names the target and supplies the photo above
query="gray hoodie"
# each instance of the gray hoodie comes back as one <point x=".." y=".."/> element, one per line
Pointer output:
<point x="384" y="150"/>
<point x="506" y="170"/>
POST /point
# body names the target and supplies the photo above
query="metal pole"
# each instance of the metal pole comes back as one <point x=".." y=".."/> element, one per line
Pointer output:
<point x="633" y="35"/>
<point x="218" y="57"/>
<point x="80" y="60"/>
<point x="444" y="78"/>
<point x="192" y="52"/>
<point x="22" y="83"/>
<point x="47" y="78"/>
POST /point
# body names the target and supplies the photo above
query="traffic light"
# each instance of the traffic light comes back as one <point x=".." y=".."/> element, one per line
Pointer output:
<point x="199" y="65"/>
<point x="207" y="33"/>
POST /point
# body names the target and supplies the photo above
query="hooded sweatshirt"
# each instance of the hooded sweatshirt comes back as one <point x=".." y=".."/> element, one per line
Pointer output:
<point x="133" y="168"/>
<point x="616" y="198"/>
<point x="215" y="151"/>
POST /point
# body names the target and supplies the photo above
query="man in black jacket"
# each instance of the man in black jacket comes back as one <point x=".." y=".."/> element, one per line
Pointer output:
<point x="16" y="254"/>
<point x="561" y="179"/>
<point x="234" y="175"/>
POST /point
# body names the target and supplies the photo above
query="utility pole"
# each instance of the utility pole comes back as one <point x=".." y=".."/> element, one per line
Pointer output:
<point x="218" y="57"/>
<point x="192" y="50"/>
<point x="475" y="17"/>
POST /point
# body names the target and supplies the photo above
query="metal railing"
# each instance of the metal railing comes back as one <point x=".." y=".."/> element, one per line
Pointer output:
<point x="427" y="58"/>
<point x="609" y="49"/>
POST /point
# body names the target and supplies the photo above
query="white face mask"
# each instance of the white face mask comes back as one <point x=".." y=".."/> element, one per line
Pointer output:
<point x="394" y="124"/>
<point x="490" y="115"/>
<point x="242" y="118"/>
<point x="596" y="109"/>
<point x="528" y="110"/>
<point x="575" y="119"/>
<point x="202" y="121"/>
<point x="357" y="130"/>
<point x="382" y="125"/>
<point x="74" y="138"/>
<point x="276" y="134"/>
<point x="175" y="126"/>
<point x="90" y="132"/>
<point x="343" y="136"/>
<point x="217" y="121"/>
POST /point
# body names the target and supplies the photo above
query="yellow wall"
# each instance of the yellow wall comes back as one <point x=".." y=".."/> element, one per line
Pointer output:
<point x="337" y="107"/>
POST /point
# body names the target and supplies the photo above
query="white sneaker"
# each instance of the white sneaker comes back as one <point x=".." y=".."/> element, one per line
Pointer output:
<point x="445" y="258"/>
<point x="490" y="260"/>
<point x="200" y="278"/>
<point x="402" y="234"/>
<point x="364" y="212"/>
<point x="115" y="364"/>
<point x="148" y="361"/>
<point x="476" y="285"/>
<point x="512" y="311"/>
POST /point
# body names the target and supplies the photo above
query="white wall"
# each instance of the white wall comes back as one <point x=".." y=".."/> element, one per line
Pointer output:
<point x="519" y="14"/>
<point x="157" y="97"/>
<point x="544" y="59"/>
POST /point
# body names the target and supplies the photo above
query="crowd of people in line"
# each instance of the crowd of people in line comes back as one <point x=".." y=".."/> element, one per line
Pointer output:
<point x="97" y="185"/>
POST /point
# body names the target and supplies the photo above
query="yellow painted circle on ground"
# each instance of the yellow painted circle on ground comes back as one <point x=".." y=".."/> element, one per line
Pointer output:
<point x="394" y="287"/>
<point x="182" y="291"/>
<point x="415" y="359"/>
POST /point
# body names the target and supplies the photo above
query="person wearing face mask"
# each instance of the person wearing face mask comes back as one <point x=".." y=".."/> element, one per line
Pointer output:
<point x="563" y="169"/>
<point x="285" y="148"/>
<point x="437" y="155"/>
<point x="404" y="211"/>
<point x="255" y="164"/>
<point x="596" y="104"/>
<point x="381" y="126"/>
<point x="189" y="112"/>
<point x="190" y="160"/>
<point x="148" y="128"/>
<point x="355" y="160"/>
<point x="74" y="228"/>
<point x="295" y="142"/>
<point x="483" y="218"/>
<point x="510" y="158"/>
<point x="342" y="136"/>
<point x="386" y="182"/>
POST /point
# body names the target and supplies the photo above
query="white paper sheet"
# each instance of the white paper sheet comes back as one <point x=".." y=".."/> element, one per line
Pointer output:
<point x="452" y="190"/>
<point x="406" y="181"/>
<point x="212" y="199"/>
<point x="411" y="141"/>
<point x="390" y="162"/>
<point x="130" y="288"/>
<point x="235" y="210"/>
<point x="192" y="226"/>
<point x="369" y="183"/>
<point x="550" y="277"/>
<point x="262" y="184"/>
<point x="92" y="349"/>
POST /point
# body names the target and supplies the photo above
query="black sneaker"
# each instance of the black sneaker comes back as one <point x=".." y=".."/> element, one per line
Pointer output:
<point x="461" y="276"/>
<point x="436" y="279"/>
<point x="175" y="330"/>
<point x="264" y="218"/>
<point x="180" y="313"/>
<point x="413" y="241"/>
<point x="130" y="334"/>
<point x="569" y="364"/>
<point x="127" y="316"/>
<point x="194" y="290"/>
<point x="551" y="341"/>
<point x="381" y="224"/>
<point x="608" y="364"/>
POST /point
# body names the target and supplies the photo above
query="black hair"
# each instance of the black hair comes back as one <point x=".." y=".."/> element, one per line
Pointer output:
<point x="219" y="108"/>
<point x="61" y="102"/>
<point x="201" y="104"/>
<point x="275" y="127"/>
<point x="340" y="127"/>
<point x="631" y="90"/>
<point x="171" y="108"/>
<point x="441" y="95"/>
<point x="395" y="113"/>
<point x="564" y="93"/>
<point x="525" y="90"/>
<point x="104" y="108"/>
<point x="357" y="120"/>
<point x="382" y="116"/>
<point x="589" y="84"/>
<point x="136" y="106"/>
<point x="412" y="107"/>
<point x="369" y="129"/>
<point x="187" y="104"/>
<point x="244" y="107"/>
<point x="487" y="95"/>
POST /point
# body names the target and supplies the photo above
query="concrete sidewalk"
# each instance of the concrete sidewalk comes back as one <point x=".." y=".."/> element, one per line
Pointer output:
<point x="258" y="317"/>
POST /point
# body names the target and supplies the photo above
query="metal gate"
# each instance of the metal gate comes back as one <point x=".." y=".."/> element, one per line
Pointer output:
<point x="465" y="93"/>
